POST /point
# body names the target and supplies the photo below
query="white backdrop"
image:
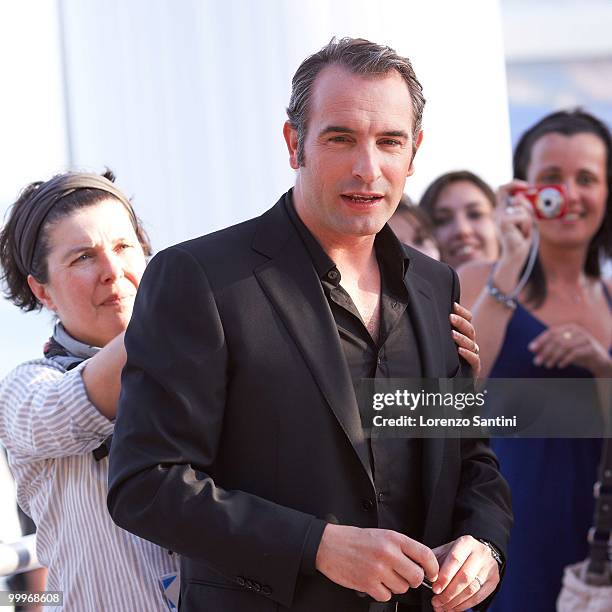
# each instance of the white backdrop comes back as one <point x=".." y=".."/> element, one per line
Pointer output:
<point x="33" y="143"/>
<point x="557" y="29"/>
<point x="185" y="100"/>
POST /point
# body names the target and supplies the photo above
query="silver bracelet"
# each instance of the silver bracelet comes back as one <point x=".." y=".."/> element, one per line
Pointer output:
<point x="510" y="300"/>
<point x="506" y="300"/>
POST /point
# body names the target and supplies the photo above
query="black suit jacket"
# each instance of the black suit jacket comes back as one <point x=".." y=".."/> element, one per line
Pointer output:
<point x="238" y="432"/>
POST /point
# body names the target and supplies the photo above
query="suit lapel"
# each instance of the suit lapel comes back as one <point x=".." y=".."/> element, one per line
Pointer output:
<point x="428" y="336"/>
<point x="421" y="304"/>
<point x="290" y="282"/>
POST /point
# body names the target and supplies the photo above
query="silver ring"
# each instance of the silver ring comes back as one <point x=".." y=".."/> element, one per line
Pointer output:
<point x="477" y="579"/>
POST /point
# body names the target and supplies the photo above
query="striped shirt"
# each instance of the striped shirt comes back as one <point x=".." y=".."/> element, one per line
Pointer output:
<point x="50" y="429"/>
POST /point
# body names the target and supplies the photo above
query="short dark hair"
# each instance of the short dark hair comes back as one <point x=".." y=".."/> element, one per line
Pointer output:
<point x="13" y="276"/>
<point x="568" y="123"/>
<point x="429" y="200"/>
<point x="361" y="57"/>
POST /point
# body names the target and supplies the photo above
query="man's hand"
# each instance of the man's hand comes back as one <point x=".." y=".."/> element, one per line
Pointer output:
<point x="378" y="562"/>
<point x="468" y="575"/>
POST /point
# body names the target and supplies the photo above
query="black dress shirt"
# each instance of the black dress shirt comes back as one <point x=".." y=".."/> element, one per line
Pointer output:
<point x="396" y="462"/>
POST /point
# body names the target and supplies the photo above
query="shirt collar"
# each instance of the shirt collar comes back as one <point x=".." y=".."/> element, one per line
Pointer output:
<point x="394" y="261"/>
<point x="322" y="262"/>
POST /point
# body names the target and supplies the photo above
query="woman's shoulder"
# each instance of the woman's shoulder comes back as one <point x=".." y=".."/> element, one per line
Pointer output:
<point x="33" y="372"/>
<point x="475" y="270"/>
<point x="473" y="277"/>
<point x="41" y="366"/>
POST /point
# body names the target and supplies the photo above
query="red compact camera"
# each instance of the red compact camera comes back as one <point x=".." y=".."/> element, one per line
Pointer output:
<point x="548" y="201"/>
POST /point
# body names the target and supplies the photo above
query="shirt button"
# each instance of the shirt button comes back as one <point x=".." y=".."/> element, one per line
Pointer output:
<point x="379" y="360"/>
<point x="367" y="504"/>
<point x="332" y="275"/>
<point x="380" y="496"/>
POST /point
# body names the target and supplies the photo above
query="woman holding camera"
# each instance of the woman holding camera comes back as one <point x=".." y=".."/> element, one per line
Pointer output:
<point x="559" y="325"/>
<point x="74" y="246"/>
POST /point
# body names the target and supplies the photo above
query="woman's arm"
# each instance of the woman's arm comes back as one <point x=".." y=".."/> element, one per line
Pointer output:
<point x="489" y="317"/>
<point x="48" y="413"/>
<point x="102" y="377"/>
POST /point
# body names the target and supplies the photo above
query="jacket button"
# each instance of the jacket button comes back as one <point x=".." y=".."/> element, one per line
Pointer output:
<point x="367" y="504"/>
<point x="266" y="590"/>
<point x="240" y="580"/>
<point x="256" y="587"/>
<point x="249" y="585"/>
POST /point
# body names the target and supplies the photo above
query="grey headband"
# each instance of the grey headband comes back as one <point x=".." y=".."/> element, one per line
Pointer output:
<point x="30" y="223"/>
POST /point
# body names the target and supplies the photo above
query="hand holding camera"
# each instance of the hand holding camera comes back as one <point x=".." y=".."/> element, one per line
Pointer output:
<point x="515" y="222"/>
<point x="547" y="201"/>
<point x="519" y="205"/>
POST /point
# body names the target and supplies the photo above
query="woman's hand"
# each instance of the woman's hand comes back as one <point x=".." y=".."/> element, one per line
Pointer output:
<point x="515" y="221"/>
<point x="562" y="345"/>
<point x="464" y="336"/>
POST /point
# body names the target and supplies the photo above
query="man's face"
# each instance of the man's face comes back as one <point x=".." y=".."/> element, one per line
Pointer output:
<point x="357" y="153"/>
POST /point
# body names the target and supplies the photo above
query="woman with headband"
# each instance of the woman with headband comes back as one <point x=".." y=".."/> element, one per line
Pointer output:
<point x="74" y="246"/>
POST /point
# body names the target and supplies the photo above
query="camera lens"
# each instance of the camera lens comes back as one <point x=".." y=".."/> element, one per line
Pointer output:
<point x="549" y="202"/>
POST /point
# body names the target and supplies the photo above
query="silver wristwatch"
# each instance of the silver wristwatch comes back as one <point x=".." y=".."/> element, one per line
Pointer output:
<point x="494" y="552"/>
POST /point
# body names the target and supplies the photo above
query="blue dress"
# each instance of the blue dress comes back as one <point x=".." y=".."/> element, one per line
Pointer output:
<point x="552" y="487"/>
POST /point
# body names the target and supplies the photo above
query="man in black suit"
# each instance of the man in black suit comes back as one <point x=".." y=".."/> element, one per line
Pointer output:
<point x="238" y="442"/>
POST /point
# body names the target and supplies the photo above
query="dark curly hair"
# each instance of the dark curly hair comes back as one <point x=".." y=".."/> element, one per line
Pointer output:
<point x="13" y="278"/>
